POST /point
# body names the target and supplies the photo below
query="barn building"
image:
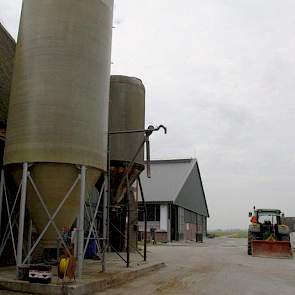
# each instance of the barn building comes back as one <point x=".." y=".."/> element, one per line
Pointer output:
<point x="7" y="50"/>
<point x="175" y="201"/>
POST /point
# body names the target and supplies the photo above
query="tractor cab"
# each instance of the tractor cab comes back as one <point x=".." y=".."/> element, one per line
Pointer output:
<point x="269" y="215"/>
<point x="268" y="220"/>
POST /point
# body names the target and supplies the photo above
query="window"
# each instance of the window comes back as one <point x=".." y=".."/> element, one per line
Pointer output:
<point x="140" y="213"/>
<point x="153" y="212"/>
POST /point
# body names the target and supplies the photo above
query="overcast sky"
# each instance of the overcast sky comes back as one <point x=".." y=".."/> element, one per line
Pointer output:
<point x="221" y="75"/>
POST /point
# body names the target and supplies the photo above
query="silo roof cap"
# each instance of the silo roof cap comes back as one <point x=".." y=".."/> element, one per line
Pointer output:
<point x="126" y="79"/>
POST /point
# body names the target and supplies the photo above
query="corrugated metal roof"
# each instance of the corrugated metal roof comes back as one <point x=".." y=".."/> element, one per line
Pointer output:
<point x="178" y="181"/>
<point x="7" y="51"/>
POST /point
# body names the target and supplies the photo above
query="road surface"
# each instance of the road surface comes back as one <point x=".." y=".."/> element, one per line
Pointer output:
<point x="218" y="267"/>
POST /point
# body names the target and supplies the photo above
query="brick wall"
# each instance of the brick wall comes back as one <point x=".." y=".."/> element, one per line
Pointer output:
<point x="161" y="236"/>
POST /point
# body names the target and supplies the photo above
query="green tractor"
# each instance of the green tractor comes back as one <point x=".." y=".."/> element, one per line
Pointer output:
<point x="267" y="236"/>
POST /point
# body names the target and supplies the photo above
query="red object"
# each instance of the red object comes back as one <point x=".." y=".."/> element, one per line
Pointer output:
<point x="275" y="249"/>
<point x="253" y="219"/>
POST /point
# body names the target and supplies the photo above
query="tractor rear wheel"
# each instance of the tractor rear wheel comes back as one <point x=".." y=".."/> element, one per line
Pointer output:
<point x="250" y="239"/>
<point x="285" y="238"/>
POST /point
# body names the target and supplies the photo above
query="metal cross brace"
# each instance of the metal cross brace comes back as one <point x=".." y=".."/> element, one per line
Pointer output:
<point x="93" y="220"/>
<point x="9" y="222"/>
<point x="89" y="216"/>
<point x="9" y="227"/>
<point x="50" y="217"/>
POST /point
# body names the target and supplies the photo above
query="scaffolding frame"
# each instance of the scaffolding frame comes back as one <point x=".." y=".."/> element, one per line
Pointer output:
<point x="81" y="244"/>
<point x="125" y="179"/>
<point x="18" y="244"/>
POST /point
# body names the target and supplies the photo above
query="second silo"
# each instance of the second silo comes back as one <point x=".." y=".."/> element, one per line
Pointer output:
<point x="58" y="110"/>
<point x="126" y="112"/>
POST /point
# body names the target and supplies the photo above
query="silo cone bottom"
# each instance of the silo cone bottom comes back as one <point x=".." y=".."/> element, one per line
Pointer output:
<point x="53" y="181"/>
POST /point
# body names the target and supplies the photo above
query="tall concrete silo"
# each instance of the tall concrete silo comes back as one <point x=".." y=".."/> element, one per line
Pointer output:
<point x="58" y="112"/>
<point x="126" y="112"/>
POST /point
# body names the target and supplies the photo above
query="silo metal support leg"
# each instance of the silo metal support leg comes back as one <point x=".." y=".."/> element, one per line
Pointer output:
<point x="128" y="223"/>
<point x="81" y="223"/>
<point x="22" y="212"/>
<point x="30" y="239"/>
<point x="145" y="218"/>
<point x="105" y="223"/>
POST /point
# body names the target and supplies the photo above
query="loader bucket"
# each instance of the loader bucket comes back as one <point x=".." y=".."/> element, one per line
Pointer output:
<point x="274" y="249"/>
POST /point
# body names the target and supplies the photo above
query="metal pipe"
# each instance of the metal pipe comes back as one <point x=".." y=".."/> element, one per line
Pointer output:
<point x="148" y="156"/>
<point x="149" y="130"/>
<point x="30" y="239"/>
<point x="105" y="221"/>
<point x="145" y="218"/>
<point x="108" y="192"/>
<point x="1" y="197"/>
<point x="22" y="211"/>
<point x="81" y="222"/>
<point x="128" y="221"/>
<point x="127" y="131"/>
<point x="118" y="254"/>
<point x="170" y="222"/>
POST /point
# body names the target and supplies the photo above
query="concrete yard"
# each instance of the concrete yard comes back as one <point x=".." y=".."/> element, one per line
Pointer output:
<point x="219" y="266"/>
<point x="92" y="280"/>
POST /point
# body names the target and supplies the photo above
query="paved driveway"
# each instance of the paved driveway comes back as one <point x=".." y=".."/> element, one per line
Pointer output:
<point x="219" y="266"/>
